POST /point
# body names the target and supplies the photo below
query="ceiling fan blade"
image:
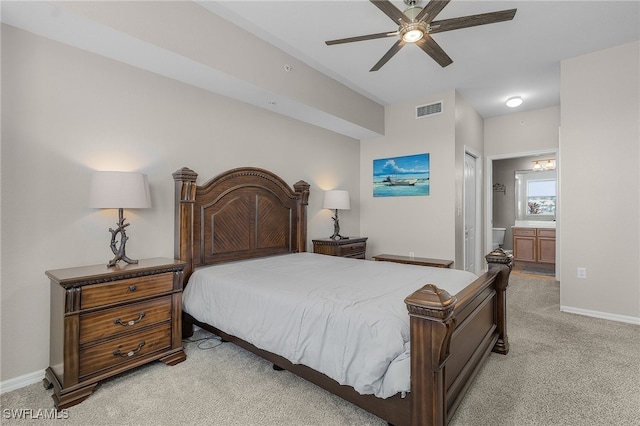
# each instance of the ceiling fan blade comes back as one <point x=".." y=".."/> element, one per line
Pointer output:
<point x="471" y="21"/>
<point x="394" y="49"/>
<point x="361" y="38"/>
<point x="431" y="10"/>
<point x="391" y="11"/>
<point x="434" y="50"/>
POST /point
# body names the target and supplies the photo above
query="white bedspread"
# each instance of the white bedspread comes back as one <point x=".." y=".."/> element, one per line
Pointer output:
<point x="343" y="317"/>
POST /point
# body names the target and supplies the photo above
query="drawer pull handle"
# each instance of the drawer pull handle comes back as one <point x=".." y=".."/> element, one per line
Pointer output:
<point x="132" y="288"/>
<point x="130" y="353"/>
<point x="132" y="322"/>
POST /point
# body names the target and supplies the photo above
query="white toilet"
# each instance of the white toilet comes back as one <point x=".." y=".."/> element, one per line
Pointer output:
<point x="498" y="237"/>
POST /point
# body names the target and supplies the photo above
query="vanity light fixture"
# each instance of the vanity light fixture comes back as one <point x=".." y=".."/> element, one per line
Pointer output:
<point x="549" y="164"/>
<point x="514" y="102"/>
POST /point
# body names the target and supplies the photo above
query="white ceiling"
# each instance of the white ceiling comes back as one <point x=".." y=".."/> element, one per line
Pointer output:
<point x="490" y="63"/>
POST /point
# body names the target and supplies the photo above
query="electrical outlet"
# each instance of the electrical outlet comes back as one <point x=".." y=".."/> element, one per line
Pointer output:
<point x="412" y="254"/>
<point x="582" y="272"/>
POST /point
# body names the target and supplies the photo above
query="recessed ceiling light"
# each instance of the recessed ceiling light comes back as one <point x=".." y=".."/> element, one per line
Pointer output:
<point x="513" y="102"/>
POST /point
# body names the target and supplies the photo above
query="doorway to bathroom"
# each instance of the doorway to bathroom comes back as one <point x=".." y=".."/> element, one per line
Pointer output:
<point x="522" y="196"/>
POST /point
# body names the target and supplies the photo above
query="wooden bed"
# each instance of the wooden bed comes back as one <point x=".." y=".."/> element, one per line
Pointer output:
<point x="249" y="212"/>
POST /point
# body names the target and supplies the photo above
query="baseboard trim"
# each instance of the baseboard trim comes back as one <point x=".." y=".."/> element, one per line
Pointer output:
<point x="21" y="381"/>
<point x="602" y="315"/>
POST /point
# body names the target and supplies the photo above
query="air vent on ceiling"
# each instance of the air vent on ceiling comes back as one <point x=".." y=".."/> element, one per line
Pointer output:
<point x="428" y="110"/>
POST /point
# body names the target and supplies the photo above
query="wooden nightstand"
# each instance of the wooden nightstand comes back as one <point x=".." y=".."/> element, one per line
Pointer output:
<point x="105" y="321"/>
<point x="422" y="261"/>
<point x="354" y="247"/>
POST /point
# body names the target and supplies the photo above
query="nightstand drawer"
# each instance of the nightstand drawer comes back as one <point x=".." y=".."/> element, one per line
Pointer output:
<point x="115" y="352"/>
<point x="123" y="290"/>
<point x="353" y="247"/>
<point x="113" y="322"/>
<point x="353" y="250"/>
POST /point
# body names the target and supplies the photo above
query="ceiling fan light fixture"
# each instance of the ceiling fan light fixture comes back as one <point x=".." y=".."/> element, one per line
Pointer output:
<point x="514" y="102"/>
<point x="411" y="36"/>
<point x="416" y="25"/>
<point x="415" y="31"/>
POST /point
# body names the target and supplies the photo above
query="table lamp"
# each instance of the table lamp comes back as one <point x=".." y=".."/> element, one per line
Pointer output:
<point x="336" y="200"/>
<point x="119" y="190"/>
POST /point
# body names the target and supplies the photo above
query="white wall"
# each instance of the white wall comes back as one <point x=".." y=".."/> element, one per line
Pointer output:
<point x="599" y="153"/>
<point x="522" y="132"/>
<point x="469" y="136"/>
<point x="424" y="225"/>
<point x="600" y="182"/>
<point x="255" y="67"/>
<point x="66" y="112"/>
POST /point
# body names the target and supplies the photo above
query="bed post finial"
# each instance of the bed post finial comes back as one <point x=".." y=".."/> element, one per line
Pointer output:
<point x="431" y="324"/>
<point x="501" y="262"/>
<point x="185" y="195"/>
<point x="187" y="177"/>
<point x="302" y="189"/>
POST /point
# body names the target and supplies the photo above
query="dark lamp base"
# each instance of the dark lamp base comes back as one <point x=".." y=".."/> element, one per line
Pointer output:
<point x="119" y="252"/>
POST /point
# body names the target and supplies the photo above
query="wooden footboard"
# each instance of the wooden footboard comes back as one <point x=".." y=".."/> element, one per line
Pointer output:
<point x="249" y="212"/>
<point x="450" y="338"/>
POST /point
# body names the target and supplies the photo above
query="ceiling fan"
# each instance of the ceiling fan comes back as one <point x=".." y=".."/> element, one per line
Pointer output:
<point x="416" y="24"/>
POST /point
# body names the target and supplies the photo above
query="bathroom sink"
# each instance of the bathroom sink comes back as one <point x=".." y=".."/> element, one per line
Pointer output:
<point x="535" y="224"/>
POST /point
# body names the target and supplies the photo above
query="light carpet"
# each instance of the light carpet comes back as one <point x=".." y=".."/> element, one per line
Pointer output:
<point x="562" y="369"/>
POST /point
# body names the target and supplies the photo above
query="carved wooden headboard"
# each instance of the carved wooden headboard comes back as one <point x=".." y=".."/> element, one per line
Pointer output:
<point x="240" y="214"/>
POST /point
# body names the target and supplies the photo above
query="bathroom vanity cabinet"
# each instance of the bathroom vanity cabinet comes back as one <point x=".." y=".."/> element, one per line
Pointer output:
<point x="534" y="245"/>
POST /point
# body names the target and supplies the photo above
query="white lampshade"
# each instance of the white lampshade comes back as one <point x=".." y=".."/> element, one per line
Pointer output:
<point x="119" y="190"/>
<point x="336" y="199"/>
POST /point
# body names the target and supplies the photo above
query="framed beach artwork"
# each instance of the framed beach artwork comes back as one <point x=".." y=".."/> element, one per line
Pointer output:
<point x="401" y="176"/>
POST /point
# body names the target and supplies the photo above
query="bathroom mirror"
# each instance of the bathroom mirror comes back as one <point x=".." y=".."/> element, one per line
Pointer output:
<point x="535" y="194"/>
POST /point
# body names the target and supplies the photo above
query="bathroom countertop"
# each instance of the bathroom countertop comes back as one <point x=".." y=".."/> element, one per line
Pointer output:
<point x="535" y="224"/>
